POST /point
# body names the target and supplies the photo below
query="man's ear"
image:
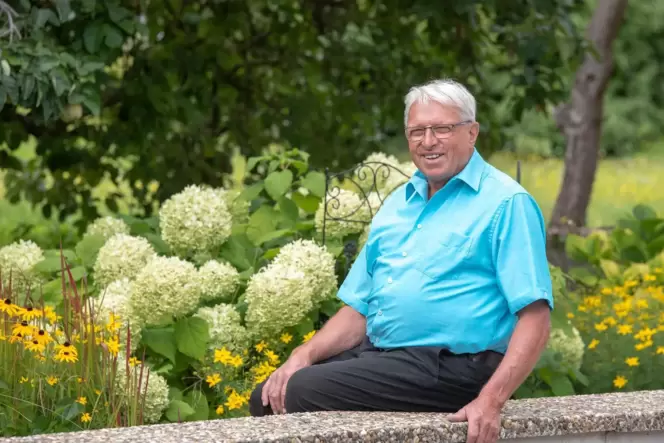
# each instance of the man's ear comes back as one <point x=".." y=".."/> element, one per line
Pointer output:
<point x="474" y="132"/>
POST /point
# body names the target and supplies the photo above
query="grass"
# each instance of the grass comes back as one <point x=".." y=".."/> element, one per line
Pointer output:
<point x="620" y="184"/>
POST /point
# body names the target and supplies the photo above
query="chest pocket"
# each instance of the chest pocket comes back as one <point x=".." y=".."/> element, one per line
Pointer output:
<point x="445" y="253"/>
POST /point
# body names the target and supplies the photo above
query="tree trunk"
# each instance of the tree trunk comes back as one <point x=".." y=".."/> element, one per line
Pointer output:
<point x="580" y="120"/>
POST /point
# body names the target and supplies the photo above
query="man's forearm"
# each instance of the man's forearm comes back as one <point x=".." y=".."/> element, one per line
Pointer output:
<point x="528" y="341"/>
<point x="343" y="331"/>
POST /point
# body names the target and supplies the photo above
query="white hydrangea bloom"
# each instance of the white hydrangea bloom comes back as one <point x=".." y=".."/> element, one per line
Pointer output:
<point x="153" y="386"/>
<point x="347" y="206"/>
<point x="107" y="227"/>
<point x="18" y="261"/>
<point x="218" y="280"/>
<point x="197" y="219"/>
<point x="317" y="264"/>
<point x="278" y="297"/>
<point x="571" y="348"/>
<point x="122" y="256"/>
<point x="166" y="286"/>
<point x="373" y="175"/>
<point x="114" y="298"/>
<point x="225" y="327"/>
<point x="397" y="178"/>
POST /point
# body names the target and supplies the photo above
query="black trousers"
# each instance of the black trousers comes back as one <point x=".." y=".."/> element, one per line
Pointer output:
<point x="365" y="378"/>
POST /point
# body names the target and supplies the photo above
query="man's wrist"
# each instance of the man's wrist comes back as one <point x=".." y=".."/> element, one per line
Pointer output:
<point x="491" y="396"/>
<point x="305" y="352"/>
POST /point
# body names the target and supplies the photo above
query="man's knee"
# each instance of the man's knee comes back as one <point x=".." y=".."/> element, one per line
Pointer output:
<point x="299" y="392"/>
<point x="256" y="408"/>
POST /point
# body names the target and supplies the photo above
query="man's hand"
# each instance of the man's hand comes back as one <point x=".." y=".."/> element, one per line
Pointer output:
<point x="274" y="390"/>
<point x="483" y="417"/>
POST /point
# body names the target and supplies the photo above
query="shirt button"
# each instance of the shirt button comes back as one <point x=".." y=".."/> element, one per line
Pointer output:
<point x="404" y="253"/>
<point x="389" y="279"/>
<point x="380" y="312"/>
<point x="419" y="226"/>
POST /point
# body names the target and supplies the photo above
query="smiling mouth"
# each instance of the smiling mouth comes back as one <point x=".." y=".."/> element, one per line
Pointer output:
<point x="432" y="156"/>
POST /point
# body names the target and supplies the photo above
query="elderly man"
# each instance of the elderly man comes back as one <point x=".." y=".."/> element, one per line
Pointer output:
<point x="448" y="303"/>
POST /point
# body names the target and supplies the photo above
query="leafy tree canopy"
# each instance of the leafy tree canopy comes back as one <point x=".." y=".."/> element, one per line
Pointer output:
<point x="166" y="90"/>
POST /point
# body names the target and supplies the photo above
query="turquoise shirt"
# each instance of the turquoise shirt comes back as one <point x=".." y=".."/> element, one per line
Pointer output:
<point x="452" y="271"/>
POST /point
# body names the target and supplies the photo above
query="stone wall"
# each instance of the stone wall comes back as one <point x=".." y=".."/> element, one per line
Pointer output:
<point x="615" y="418"/>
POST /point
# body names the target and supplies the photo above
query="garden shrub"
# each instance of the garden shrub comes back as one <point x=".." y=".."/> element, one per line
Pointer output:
<point x="207" y="299"/>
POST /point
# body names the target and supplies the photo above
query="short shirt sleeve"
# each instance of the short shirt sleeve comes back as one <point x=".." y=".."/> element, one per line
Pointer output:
<point x="519" y="253"/>
<point x="357" y="285"/>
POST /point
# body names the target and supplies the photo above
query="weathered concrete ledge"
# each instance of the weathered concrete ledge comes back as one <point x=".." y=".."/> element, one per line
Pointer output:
<point x="627" y="417"/>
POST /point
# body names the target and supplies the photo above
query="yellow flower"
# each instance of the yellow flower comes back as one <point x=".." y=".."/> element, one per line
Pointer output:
<point x="213" y="379"/>
<point x="219" y="410"/>
<point x="43" y="337"/>
<point x="631" y="283"/>
<point x="86" y="418"/>
<point x="133" y="361"/>
<point x="607" y="291"/>
<point x="34" y="346"/>
<point x="50" y="315"/>
<point x="599" y="326"/>
<point x="619" y="381"/>
<point x="609" y="321"/>
<point x="642" y="346"/>
<point x="286" y="338"/>
<point x="642" y="304"/>
<point x="632" y="361"/>
<point x="66" y="356"/>
<point x="113" y="346"/>
<point x="23" y="380"/>
<point x="236" y="361"/>
<point x="97" y="392"/>
<point x="22" y="329"/>
<point x="570" y="315"/>
<point x="113" y="324"/>
<point x="272" y="357"/>
<point x="583" y="309"/>
<point x="235" y="401"/>
<point x="660" y="349"/>
<point x="624" y="329"/>
<point x="593" y="344"/>
<point x="66" y="347"/>
<point x="657" y="270"/>
<point x="52" y="380"/>
<point x="260" y="346"/>
<point x="222" y="356"/>
<point x="30" y="313"/>
<point x="82" y="400"/>
<point x="649" y="277"/>
<point x="307" y="337"/>
<point x="9" y="308"/>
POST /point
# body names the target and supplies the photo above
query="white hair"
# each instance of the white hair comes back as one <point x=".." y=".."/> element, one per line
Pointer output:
<point x="446" y="92"/>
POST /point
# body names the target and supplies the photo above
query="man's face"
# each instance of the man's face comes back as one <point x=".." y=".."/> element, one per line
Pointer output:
<point x="441" y="151"/>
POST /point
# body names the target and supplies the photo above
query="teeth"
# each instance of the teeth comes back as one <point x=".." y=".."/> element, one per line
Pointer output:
<point x="432" y="157"/>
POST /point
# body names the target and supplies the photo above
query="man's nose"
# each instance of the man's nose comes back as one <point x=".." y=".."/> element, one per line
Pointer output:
<point x="429" y="139"/>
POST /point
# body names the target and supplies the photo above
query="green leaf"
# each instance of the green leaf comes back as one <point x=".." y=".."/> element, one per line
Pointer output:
<point x="112" y="37"/>
<point x="305" y="326"/>
<point x="92" y="37"/>
<point x="161" y="341"/>
<point x="273" y="235"/>
<point x="192" y="336"/>
<point x="44" y="16"/>
<point x="561" y="385"/>
<point x="49" y="265"/>
<point x="308" y="203"/>
<point x="314" y="181"/>
<point x="236" y="252"/>
<point x="78" y="273"/>
<point x="199" y="403"/>
<point x="262" y="222"/>
<point x="158" y="243"/>
<point x="575" y="247"/>
<point x="52" y="291"/>
<point x="580" y="377"/>
<point x="4" y="385"/>
<point x="88" y="248"/>
<point x="70" y="255"/>
<point x="289" y="209"/>
<point x="642" y="212"/>
<point x="330" y="307"/>
<point x="610" y="268"/>
<point x="656" y="246"/>
<point x="278" y="182"/>
<point x="633" y="254"/>
<point x="64" y="10"/>
<point x="251" y="192"/>
<point x="69" y="410"/>
<point x="178" y="411"/>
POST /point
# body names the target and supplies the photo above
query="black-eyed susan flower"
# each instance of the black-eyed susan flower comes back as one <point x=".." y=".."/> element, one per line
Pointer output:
<point x="65" y="356"/>
<point x="22" y="328"/>
<point x="34" y="346"/>
<point x="30" y="313"/>
<point x="9" y="308"/>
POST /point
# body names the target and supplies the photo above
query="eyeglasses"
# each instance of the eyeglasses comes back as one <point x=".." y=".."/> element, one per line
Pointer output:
<point x="439" y="131"/>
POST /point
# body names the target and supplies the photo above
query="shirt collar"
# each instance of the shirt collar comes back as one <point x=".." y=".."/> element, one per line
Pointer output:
<point x="471" y="174"/>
